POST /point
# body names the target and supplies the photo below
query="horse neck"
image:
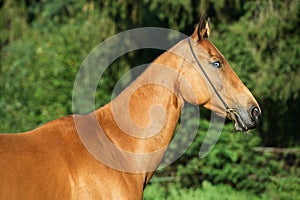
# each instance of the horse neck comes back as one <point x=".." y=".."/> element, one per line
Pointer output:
<point x="144" y="116"/>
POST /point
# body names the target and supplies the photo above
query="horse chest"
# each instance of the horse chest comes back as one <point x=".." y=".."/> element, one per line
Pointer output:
<point x="112" y="185"/>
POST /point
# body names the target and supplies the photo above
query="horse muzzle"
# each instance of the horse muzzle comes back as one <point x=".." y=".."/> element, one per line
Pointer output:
<point x="244" y="119"/>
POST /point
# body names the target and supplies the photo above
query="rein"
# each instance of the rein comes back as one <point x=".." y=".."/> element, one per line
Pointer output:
<point x="228" y="110"/>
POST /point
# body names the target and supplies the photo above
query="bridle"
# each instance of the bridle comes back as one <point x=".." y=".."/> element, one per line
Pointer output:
<point x="228" y="110"/>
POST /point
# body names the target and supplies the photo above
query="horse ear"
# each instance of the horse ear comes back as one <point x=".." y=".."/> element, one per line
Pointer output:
<point x="203" y="28"/>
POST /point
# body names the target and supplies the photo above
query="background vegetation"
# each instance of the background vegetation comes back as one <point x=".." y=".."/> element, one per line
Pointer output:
<point x="43" y="43"/>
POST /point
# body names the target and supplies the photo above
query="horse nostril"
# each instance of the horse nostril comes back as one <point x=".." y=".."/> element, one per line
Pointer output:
<point x="255" y="113"/>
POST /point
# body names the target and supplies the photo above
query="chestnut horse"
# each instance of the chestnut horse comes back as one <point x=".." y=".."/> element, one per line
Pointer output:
<point x="51" y="162"/>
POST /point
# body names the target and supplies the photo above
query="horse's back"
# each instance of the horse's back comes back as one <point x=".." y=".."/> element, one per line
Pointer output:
<point x="33" y="165"/>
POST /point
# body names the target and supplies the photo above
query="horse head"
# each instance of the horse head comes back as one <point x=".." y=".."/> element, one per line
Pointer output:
<point x="214" y="83"/>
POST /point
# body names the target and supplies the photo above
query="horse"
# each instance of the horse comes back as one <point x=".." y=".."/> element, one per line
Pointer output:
<point x="51" y="161"/>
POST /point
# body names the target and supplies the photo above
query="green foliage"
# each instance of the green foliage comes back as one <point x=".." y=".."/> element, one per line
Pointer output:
<point x="235" y="161"/>
<point x="12" y="22"/>
<point x="37" y="74"/>
<point x="208" y="191"/>
<point x="48" y="13"/>
<point x="155" y="191"/>
<point x="180" y="16"/>
<point x="232" y="161"/>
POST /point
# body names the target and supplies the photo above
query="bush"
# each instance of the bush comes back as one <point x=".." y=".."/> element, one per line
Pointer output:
<point x="234" y="161"/>
<point x="207" y="192"/>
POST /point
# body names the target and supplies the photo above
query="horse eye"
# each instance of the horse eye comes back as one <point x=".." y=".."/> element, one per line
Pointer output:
<point x="217" y="64"/>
